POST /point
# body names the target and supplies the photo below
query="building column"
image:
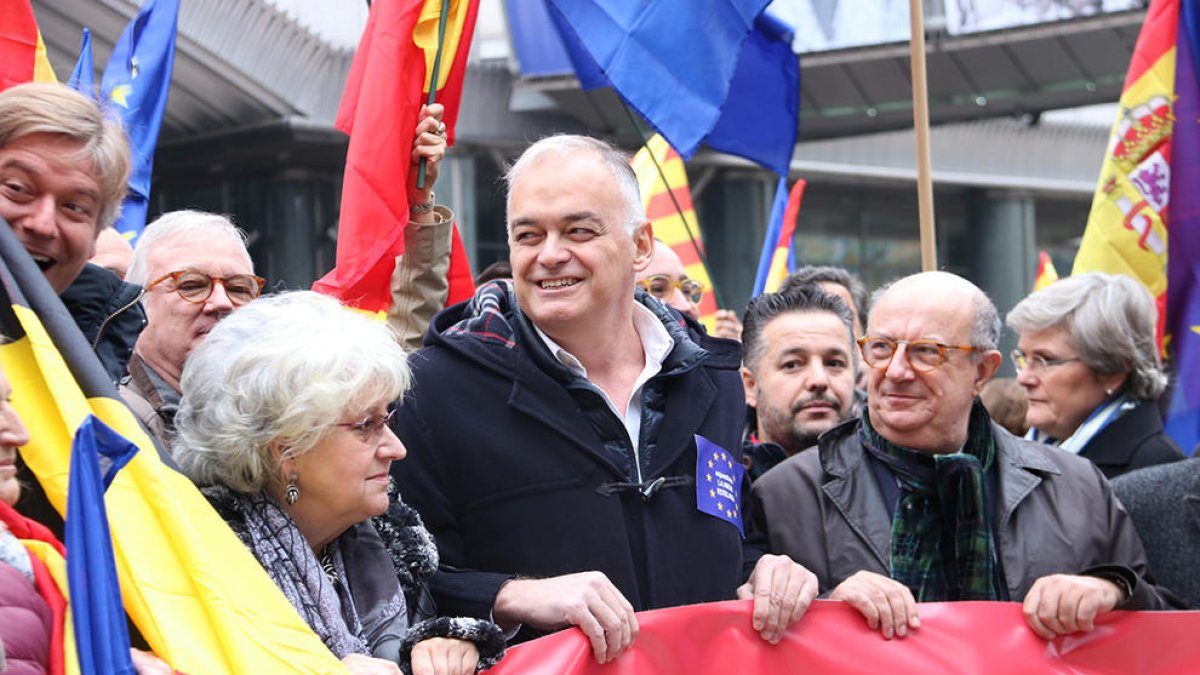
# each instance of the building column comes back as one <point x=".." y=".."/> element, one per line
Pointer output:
<point x="1002" y="256"/>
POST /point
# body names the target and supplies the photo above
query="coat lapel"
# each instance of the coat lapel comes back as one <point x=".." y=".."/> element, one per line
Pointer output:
<point x="557" y="411"/>
<point x="852" y="489"/>
<point x="1020" y="467"/>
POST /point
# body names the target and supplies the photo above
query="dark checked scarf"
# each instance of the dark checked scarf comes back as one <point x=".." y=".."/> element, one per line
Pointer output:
<point x="942" y="542"/>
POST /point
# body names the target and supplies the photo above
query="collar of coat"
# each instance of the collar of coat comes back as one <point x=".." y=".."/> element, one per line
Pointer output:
<point x="491" y="327"/>
<point x="411" y="547"/>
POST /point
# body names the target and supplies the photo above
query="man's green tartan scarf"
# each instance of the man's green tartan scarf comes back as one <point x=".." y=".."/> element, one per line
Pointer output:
<point x="942" y="542"/>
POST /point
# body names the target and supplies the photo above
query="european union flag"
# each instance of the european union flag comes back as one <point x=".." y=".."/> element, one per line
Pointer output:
<point x="713" y="71"/>
<point x="101" y="636"/>
<point x="135" y="83"/>
<point x="719" y="482"/>
<point x="1183" y="264"/>
<point x="83" y="78"/>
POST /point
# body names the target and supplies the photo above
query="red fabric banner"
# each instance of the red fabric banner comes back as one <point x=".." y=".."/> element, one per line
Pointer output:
<point x="960" y="637"/>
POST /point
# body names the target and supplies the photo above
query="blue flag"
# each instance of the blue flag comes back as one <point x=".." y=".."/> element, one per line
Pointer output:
<point x="719" y="482"/>
<point x="135" y="83"/>
<point x="1183" y="264"/>
<point x="101" y="635"/>
<point x="759" y="120"/>
<point x="771" y="241"/>
<point x="83" y="78"/>
<point x="677" y="62"/>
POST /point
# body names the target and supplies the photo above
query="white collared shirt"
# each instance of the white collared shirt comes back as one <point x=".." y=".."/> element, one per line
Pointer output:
<point x="656" y="344"/>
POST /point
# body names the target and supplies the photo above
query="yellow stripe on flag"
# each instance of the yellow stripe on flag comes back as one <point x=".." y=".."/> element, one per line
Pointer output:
<point x="1125" y="231"/>
<point x="56" y="565"/>
<point x="425" y="36"/>
<point x="200" y="599"/>
<point x="42" y="72"/>
<point x="667" y="221"/>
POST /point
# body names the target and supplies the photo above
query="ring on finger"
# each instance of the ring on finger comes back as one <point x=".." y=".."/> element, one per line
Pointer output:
<point x="441" y="129"/>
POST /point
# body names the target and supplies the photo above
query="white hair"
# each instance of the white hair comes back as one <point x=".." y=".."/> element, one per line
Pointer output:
<point x="280" y="372"/>
<point x="193" y="226"/>
<point x="1110" y="318"/>
<point x="616" y="161"/>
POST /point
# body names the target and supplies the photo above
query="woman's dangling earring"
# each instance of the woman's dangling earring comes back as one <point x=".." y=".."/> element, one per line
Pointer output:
<point x="291" y="492"/>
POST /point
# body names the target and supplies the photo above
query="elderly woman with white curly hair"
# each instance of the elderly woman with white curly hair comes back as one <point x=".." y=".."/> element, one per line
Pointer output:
<point x="1088" y="357"/>
<point x="284" y="426"/>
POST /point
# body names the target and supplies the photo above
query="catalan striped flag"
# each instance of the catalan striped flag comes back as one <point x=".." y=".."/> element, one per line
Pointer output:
<point x="778" y="255"/>
<point x="1046" y="273"/>
<point x="196" y="594"/>
<point x="677" y="228"/>
<point x="22" y="50"/>
<point x="389" y="80"/>
<point x="1151" y="164"/>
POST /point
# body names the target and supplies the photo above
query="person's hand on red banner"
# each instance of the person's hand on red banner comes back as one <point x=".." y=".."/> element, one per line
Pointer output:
<point x="887" y="604"/>
<point x="429" y="143"/>
<point x="782" y="590"/>
<point x="585" y="599"/>
<point x="1060" y="604"/>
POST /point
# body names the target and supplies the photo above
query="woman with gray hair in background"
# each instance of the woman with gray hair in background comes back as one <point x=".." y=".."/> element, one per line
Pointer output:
<point x="1088" y="357"/>
<point x="284" y="426"/>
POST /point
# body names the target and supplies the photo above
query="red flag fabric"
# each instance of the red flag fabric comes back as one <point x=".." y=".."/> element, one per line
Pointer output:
<point x="955" y="637"/>
<point x="22" y="51"/>
<point x="384" y="93"/>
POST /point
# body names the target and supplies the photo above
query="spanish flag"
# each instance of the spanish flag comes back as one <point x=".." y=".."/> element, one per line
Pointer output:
<point x="196" y="594"/>
<point x="389" y="80"/>
<point x="778" y="258"/>
<point x="1127" y="229"/>
<point x="1145" y="219"/>
<point x="22" y="51"/>
<point x="1046" y="274"/>
<point x="676" y="227"/>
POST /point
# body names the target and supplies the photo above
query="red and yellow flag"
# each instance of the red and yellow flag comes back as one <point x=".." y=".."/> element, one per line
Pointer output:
<point x="677" y="228"/>
<point x="1127" y="229"/>
<point x="22" y="51"/>
<point x="388" y="82"/>
<point x="1046" y="274"/>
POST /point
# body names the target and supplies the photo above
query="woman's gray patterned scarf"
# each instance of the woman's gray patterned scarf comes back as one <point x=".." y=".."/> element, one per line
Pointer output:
<point x="370" y="620"/>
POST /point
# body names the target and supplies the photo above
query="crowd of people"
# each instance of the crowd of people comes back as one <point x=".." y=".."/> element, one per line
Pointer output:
<point x="571" y="446"/>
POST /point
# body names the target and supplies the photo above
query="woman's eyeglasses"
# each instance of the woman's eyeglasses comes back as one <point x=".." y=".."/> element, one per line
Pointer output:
<point x="370" y="428"/>
<point x="1037" y="362"/>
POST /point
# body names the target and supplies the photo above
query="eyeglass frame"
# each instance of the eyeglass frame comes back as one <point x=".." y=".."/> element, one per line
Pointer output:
<point x="1037" y="362"/>
<point x="675" y="283"/>
<point x="366" y="426"/>
<point x="212" y="284"/>
<point x="941" y="347"/>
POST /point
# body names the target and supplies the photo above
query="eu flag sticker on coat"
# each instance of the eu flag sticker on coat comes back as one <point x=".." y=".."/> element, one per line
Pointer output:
<point x="718" y="482"/>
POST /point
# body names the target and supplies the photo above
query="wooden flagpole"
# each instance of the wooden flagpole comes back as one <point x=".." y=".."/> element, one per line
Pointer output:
<point x="921" y="124"/>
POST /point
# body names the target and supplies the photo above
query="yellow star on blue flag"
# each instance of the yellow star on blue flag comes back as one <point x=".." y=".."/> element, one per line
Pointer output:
<point x="720" y="493"/>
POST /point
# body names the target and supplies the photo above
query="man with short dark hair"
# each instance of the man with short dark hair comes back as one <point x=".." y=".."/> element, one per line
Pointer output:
<point x="567" y="435"/>
<point x="924" y="499"/>
<point x="797" y="370"/>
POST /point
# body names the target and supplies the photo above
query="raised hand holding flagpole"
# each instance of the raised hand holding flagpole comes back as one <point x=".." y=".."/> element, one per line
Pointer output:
<point x="433" y="86"/>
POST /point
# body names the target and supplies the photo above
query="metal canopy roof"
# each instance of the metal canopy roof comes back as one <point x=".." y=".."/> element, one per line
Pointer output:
<point x="1028" y="69"/>
<point x="237" y="62"/>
